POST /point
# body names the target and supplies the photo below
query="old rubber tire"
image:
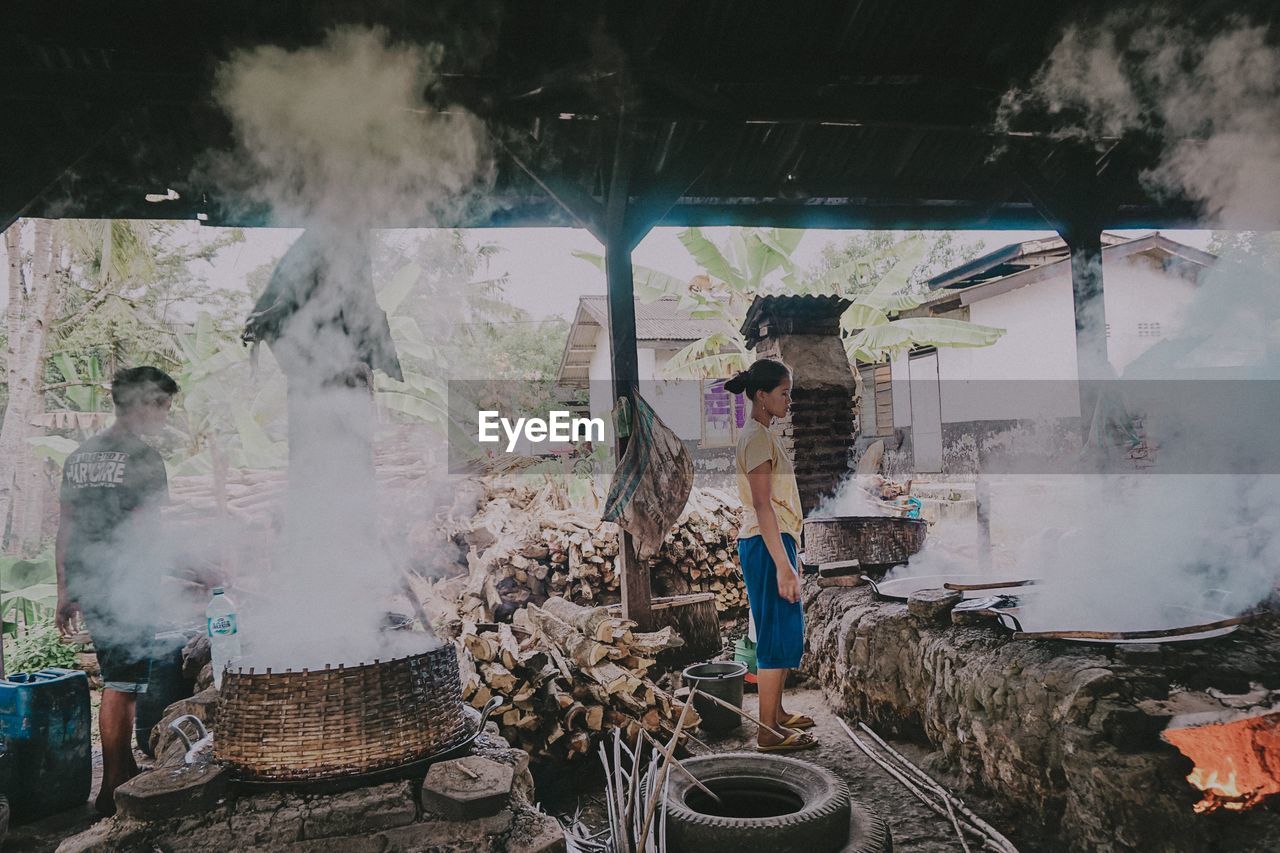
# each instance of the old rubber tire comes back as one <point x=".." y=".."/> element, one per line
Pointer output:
<point x="820" y="824"/>
<point x="868" y="832"/>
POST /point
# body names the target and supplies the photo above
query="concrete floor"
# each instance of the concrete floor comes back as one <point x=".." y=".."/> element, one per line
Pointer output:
<point x="916" y="829"/>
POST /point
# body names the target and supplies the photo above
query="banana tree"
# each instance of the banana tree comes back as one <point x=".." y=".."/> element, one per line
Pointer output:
<point x="870" y="327"/>
<point x="758" y="262"/>
<point x="28" y="591"/>
<point x="81" y="390"/>
<point x="218" y="400"/>
<point x="754" y="261"/>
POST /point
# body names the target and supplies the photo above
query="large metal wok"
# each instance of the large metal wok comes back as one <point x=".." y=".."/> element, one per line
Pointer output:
<point x="969" y="586"/>
<point x="1182" y="624"/>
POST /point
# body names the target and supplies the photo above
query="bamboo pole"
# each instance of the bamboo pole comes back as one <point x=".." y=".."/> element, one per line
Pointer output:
<point x="942" y="791"/>
<point x="694" y="779"/>
<point x="656" y="786"/>
<point x="988" y="842"/>
<point x="736" y="710"/>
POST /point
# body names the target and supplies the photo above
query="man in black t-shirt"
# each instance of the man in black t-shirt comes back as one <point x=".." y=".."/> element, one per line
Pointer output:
<point x="113" y="486"/>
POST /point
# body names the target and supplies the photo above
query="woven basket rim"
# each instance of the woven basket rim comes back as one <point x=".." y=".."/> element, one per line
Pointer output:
<point x="845" y="519"/>
<point x="272" y="672"/>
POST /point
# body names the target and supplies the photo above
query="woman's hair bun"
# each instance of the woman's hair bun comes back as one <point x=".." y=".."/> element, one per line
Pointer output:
<point x="737" y="384"/>
<point x="764" y="374"/>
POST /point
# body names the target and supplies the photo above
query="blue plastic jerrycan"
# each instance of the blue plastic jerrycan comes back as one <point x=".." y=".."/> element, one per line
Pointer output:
<point x="45" y="742"/>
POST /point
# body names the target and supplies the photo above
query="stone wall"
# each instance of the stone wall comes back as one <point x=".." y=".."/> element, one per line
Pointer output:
<point x="177" y="808"/>
<point x="1064" y="733"/>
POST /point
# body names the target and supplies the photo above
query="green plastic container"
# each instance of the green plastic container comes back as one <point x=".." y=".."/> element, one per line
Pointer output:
<point x="744" y="651"/>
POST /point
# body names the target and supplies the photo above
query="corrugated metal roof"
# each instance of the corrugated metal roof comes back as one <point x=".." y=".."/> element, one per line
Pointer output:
<point x="800" y="309"/>
<point x="985" y="285"/>
<point x="820" y="113"/>
<point x="656" y="322"/>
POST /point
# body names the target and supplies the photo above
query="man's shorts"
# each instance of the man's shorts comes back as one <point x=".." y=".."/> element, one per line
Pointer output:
<point x="125" y="664"/>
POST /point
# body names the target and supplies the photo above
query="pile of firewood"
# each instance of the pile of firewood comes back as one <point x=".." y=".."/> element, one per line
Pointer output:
<point x="523" y="547"/>
<point x="568" y="673"/>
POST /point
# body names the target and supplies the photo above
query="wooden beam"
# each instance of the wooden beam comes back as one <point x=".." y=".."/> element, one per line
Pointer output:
<point x="126" y="88"/>
<point x="637" y="596"/>
<point x="585" y="211"/>
<point x="26" y="187"/>
<point x="656" y="200"/>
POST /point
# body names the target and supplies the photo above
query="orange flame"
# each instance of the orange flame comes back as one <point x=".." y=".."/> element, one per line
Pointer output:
<point x="1237" y="764"/>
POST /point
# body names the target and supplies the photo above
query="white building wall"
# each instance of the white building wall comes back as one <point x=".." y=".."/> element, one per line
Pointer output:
<point x="678" y="403"/>
<point x="1037" y="352"/>
<point x="1039" y="344"/>
<point x="1137" y="293"/>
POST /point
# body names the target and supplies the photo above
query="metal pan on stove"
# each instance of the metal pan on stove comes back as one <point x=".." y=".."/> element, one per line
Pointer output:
<point x="1183" y="624"/>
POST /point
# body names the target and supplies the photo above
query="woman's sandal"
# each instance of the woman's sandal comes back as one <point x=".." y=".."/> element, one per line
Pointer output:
<point x="793" y="742"/>
<point x="797" y="721"/>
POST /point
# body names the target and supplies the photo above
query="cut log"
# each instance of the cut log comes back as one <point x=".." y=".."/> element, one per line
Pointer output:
<point x="583" y="652"/>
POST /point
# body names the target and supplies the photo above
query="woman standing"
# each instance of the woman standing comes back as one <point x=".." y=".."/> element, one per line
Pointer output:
<point x="771" y="526"/>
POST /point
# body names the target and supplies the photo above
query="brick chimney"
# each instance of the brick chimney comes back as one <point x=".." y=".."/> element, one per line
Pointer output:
<point x="804" y="331"/>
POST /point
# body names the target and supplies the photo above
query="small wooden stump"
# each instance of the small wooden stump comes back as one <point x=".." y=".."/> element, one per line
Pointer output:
<point x="1140" y="654"/>
<point x="933" y="605"/>
<point x="467" y="788"/>
<point x="840" y="569"/>
<point x="168" y="792"/>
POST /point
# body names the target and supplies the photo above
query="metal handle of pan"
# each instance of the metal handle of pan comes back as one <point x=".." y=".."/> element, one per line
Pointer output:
<point x="194" y="746"/>
<point x="489" y="707"/>
<point x="1008" y="620"/>
<point x="874" y="586"/>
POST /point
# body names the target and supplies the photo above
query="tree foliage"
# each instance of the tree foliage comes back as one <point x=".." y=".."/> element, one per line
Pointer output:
<point x="881" y="272"/>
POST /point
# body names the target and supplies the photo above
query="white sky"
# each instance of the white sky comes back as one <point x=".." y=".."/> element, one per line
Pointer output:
<point x="546" y="280"/>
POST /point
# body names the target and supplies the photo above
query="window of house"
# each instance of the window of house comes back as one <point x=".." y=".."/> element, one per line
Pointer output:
<point x="723" y="414"/>
<point x="1108" y="331"/>
<point x="875" y="407"/>
<point x="1148" y="330"/>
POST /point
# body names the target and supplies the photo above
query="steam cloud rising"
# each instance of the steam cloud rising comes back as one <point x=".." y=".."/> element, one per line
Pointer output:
<point x="339" y="139"/>
<point x="1125" y="551"/>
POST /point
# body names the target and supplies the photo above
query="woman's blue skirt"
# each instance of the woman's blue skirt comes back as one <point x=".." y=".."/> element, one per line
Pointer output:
<point x="779" y="623"/>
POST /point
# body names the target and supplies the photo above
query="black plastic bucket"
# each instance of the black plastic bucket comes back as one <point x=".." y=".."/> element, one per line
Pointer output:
<point x="723" y="680"/>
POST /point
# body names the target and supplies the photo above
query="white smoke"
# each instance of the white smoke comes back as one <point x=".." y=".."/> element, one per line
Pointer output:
<point x="340" y="139"/>
<point x="1213" y="99"/>
<point x="343" y="133"/>
<point x="851" y="497"/>
<point x="1140" y="548"/>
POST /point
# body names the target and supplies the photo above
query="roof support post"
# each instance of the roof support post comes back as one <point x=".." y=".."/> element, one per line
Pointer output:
<point x="1092" y="362"/>
<point x="619" y="240"/>
<point x="1087" y="295"/>
<point x="1075" y="208"/>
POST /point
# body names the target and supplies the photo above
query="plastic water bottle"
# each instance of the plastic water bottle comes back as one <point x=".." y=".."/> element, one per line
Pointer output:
<point x="224" y="632"/>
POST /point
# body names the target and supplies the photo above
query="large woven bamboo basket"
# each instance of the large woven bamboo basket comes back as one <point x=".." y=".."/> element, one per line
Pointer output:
<point x="874" y="541"/>
<point x="339" y="721"/>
